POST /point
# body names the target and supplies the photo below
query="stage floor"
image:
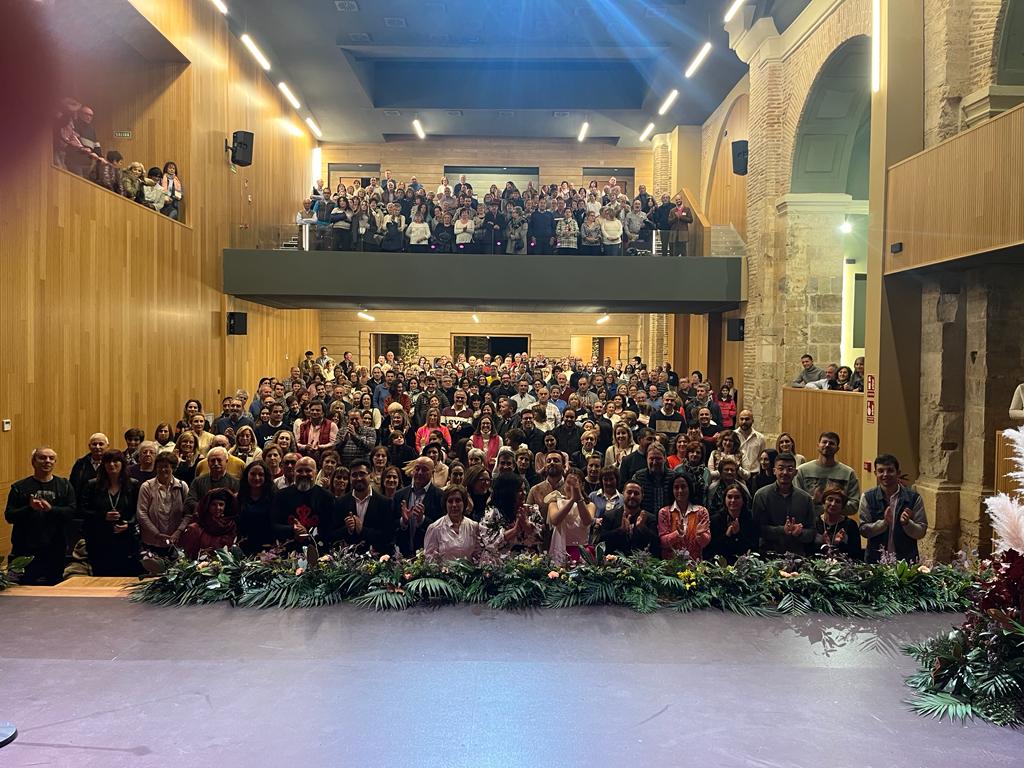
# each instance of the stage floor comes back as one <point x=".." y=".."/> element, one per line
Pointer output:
<point x="104" y="683"/>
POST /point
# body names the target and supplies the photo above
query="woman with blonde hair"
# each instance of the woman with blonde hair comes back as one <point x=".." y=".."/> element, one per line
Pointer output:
<point x="246" y="447"/>
<point x="622" y="445"/>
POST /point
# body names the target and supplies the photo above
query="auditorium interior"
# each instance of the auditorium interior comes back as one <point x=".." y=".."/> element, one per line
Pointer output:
<point x="850" y="172"/>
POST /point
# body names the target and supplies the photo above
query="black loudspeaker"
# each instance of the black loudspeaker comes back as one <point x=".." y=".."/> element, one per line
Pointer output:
<point x="238" y="323"/>
<point x="739" y="157"/>
<point x="241" y="148"/>
<point x="735" y="330"/>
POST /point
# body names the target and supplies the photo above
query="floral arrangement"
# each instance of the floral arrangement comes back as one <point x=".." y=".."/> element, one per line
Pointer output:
<point x="977" y="670"/>
<point x="16" y="566"/>
<point x="751" y="586"/>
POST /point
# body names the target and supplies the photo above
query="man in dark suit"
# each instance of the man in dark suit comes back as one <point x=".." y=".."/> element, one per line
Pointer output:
<point x="364" y="518"/>
<point x="417" y="506"/>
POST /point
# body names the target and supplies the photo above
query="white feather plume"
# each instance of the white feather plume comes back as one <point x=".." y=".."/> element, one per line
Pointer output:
<point x="1005" y="511"/>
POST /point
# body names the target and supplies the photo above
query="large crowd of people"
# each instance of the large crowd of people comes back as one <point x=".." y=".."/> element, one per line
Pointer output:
<point x="458" y="458"/>
<point x="391" y="215"/>
<point x="78" y="149"/>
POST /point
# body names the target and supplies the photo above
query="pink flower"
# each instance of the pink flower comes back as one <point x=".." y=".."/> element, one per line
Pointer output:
<point x="552" y="574"/>
<point x="610" y="558"/>
<point x="299" y="571"/>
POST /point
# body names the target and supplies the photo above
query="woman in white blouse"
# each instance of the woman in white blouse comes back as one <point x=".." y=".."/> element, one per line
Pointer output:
<point x="611" y="232"/>
<point x="419" y="234"/>
<point x="570" y="515"/>
<point x="454" y="535"/>
<point x="464" y="227"/>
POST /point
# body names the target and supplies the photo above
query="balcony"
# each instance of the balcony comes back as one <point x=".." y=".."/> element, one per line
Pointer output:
<point x="295" y="279"/>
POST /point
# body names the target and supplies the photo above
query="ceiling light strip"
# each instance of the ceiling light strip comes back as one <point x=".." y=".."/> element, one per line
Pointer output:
<point x="314" y="127"/>
<point x="256" y="52"/>
<point x="583" y="131"/>
<point x="733" y="10"/>
<point x="647" y="132"/>
<point x="418" y="127"/>
<point x="283" y="87"/>
<point x="699" y="59"/>
<point x="666" y="105"/>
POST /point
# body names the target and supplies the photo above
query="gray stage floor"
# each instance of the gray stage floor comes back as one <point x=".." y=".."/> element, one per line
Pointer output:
<point x="101" y="682"/>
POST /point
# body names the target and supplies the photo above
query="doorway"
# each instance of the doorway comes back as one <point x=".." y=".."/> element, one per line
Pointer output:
<point x="401" y="345"/>
<point x="479" y="346"/>
<point x="589" y="347"/>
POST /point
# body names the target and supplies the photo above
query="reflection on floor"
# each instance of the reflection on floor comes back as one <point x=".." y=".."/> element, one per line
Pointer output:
<point x="107" y="683"/>
<point x="77" y="586"/>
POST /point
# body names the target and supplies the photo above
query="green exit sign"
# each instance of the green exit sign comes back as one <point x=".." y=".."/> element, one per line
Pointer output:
<point x="122" y="134"/>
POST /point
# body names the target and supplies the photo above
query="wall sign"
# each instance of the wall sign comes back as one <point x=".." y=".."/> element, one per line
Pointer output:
<point x="122" y="134"/>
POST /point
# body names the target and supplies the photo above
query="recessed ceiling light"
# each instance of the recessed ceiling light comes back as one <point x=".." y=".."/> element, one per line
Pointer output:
<point x="698" y="59"/>
<point x="255" y="51"/>
<point x="314" y="127"/>
<point x="647" y="132"/>
<point x="583" y="131"/>
<point x="559" y="114"/>
<point x="418" y="127"/>
<point x="346" y="5"/>
<point x="394" y="22"/>
<point x="358" y="37"/>
<point x="454" y="113"/>
<point x="392" y="113"/>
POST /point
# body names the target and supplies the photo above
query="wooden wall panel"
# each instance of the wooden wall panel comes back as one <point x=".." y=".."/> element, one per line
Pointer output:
<point x="111" y="315"/>
<point x="550" y="333"/>
<point x="1004" y="466"/>
<point x="557" y="159"/>
<point x="727" y="195"/>
<point x="806" y="413"/>
<point x="959" y="198"/>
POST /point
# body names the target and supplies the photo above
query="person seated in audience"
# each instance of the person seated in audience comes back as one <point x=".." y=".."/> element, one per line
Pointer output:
<point x="171" y="184"/>
<point x="683" y="526"/>
<point x="187" y="455"/>
<point x="329" y="461"/>
<point x="215" y="526"/>
<point x="509" y="524"/>
<point x="246" y="449"/>
<point x="362" y="518"/>
<point x="829" y="381"/>
<point x="454" y="535"/>
<point x="145" y="469"/>
<point x="844" y="378"/>
<point x="569" y="515"/>
<point x="857" y="379"/>
<point x="837" y="534"/>
<point x="786" y="444"/>
<point x="784" y="513"/>
<point x="714" y="496"/>
<point x="813" y="476"/>
<point x="892" y="516"/>
<point x="728" y="446"/>
<point x="161" y="508"/>
<point x="418" y="505"/>
<point x="809" y="373"/>
<point x="629" y="528"/>
<point x="733" y="530"/>
<point x="765" y="474"/>
<point x="133" y="438"/>
<point x="338" y="482"/>
<point x="256" y="509"/>
<point x="234" y="465"/>
<point x="215" y="477"/>
<point x="163" y="437"/>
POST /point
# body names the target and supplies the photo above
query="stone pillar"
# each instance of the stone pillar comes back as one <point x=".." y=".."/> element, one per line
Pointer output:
<point x="943" y="339"/>
<point x="993" y="367"/>
<point x="663" y="165"/>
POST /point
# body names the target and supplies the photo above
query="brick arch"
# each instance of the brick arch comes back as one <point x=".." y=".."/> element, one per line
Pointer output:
<point x="833" y="120"/>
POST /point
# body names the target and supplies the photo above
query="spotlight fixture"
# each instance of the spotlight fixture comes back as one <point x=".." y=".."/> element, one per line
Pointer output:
<point x="603" y="319"/>
<point x="418" y="127"/>
<point x="733" y="10"/>
<point x="283" y="87"/>
<point x="583" y="131"/>
<point x="846" y="227"/>
<point x="256" y="52"/>
<point x="314" y="127"/>
<point x="365" y="316"/>
<point x="666" y="105"/>
<point x="698" y="59"/>
<point x="647" y="132"/>
<point x="219" y="5"/>
<point x="475" y="318"/>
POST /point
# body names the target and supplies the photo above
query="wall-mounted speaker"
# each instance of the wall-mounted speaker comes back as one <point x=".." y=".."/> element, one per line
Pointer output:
<point x="238" y="323"/>
<point x="241" y="148"/>
<point x="739" y="157"/>
<point x="735" y="330"/>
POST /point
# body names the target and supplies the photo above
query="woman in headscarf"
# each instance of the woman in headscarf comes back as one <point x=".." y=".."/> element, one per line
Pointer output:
<point x="216" y="524"/>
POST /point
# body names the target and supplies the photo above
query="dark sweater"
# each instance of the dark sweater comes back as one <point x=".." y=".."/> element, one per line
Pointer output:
<point x="40" y="534"/>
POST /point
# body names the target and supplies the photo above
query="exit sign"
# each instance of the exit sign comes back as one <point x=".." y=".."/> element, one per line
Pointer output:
<point x="122" y="134"/>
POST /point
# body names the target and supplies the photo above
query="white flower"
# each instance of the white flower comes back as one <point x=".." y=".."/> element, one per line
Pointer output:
<point x="385" y="558"/>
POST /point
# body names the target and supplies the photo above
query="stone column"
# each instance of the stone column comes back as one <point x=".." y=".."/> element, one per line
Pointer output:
<point x="663" y="165"/>
<point x="943" y="339"/>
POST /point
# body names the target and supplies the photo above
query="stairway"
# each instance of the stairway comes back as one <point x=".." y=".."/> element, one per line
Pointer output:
<point x="726" y="241"/>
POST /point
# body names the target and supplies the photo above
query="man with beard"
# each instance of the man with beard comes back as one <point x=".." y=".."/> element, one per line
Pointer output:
<point x="363" y="517"/>
<point x="655" y="481"/>
<point x="814" y="476"/>
<point x="554" y="477"/>
<point x="304" y="507"/>
<point x="628" y="529"/>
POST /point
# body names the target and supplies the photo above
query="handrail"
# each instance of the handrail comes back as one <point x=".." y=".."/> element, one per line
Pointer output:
<point x="700" y="230"/>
